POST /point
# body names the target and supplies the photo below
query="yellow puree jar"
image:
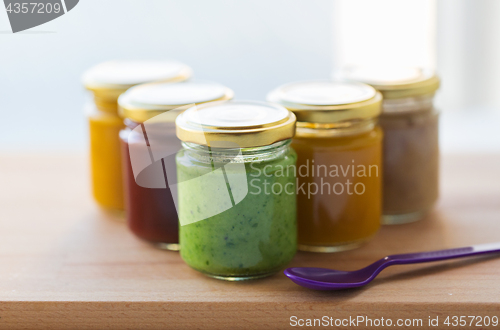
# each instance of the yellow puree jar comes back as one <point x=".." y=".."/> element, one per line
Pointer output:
<point x="107" y="81"/>
<point x="411" y="148"/>
<point x="339" y="149"/>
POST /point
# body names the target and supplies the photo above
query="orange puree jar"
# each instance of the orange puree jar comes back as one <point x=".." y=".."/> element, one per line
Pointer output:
<point x="107" y="81"/>
<point x="339" y="148"/>
<point x="411" y="148"/>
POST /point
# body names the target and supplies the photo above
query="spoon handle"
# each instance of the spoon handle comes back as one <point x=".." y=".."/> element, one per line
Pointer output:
<point x="470" y="251"/>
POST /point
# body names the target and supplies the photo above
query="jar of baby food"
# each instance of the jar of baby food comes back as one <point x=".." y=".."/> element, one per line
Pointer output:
<point x="411" y="150"/>
<point x="107" y="81"/>
<point x="339" y="149"/>
<point x="149" y="146"/>
<point x="236" y="186"/>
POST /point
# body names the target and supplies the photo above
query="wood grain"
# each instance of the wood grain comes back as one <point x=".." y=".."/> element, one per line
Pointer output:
<point x="64" y="264"/>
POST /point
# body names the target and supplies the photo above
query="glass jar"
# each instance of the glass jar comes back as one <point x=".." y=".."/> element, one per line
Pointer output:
<point x="339" y="148"/>
<point x="236" y="186"/>
<point x="149" y="146"/>
<point x="411" y="147"/>
<point x="107" y="81"/>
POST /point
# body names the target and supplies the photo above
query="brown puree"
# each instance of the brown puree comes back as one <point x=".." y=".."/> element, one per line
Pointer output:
<point x="411" y="161"/>
<point x="411" y="151"/>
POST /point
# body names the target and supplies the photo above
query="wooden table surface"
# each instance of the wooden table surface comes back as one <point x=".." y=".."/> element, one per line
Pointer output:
<point x="65" y="264"/>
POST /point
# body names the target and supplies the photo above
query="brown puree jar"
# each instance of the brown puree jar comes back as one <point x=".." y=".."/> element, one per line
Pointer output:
<point x="149" y="146"/>
<point x="411" y="149"/>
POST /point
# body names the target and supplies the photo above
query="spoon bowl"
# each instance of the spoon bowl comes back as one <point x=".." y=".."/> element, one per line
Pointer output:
<point x="315" y="278"/>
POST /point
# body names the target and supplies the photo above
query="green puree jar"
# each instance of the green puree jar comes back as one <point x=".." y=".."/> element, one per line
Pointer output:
<point x="236" y="189"/>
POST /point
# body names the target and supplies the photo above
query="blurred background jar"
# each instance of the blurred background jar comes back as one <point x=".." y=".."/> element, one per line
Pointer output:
<point x="149" y="146"/>
<point x="107" y="81"/>
<point x="339" y="149"/>
<point x="411" y="147"/>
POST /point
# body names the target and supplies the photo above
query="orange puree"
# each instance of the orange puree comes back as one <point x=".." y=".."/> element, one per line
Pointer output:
<point x="339" y="199"/>
<point x="105" y="159"/>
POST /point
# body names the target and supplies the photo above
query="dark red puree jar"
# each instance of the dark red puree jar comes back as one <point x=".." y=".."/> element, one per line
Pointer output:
<point x="149" y="146"/>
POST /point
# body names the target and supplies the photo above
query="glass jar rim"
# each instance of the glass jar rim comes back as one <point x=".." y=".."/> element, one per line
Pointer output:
<point x="408" y="105"/>
<point x="332" y="130"/>
<point x="242" y="155"/>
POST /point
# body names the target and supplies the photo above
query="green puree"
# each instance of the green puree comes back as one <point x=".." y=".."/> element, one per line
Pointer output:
<point x="257" y="236"/>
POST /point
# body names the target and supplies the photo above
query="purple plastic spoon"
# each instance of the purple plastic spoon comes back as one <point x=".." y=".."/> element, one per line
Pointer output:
<point x="329" y="279"/>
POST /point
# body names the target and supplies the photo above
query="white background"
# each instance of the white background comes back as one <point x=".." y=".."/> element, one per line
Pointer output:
<point x="251" y="46"/>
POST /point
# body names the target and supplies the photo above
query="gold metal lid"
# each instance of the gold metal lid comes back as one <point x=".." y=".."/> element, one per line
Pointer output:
<point x="110" y="79"/>
<point x="394" y="82"/>
<point x="245" y="124"/>
<point x="146" y="101"/>
<point x="327" y="101"/>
